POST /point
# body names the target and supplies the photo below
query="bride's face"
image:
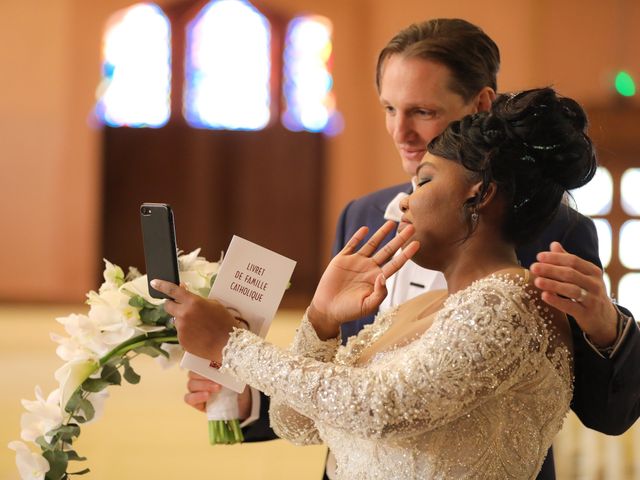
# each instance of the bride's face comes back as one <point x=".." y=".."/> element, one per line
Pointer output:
<point x="436" y="209"/>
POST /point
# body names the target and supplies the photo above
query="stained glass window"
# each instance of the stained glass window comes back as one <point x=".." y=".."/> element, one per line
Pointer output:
<point x="607" y="282"/>
<point x="136" y="68"/>
<point x="603" y="227"/>
<point x="228" y="67"/>
<point x="630" y="191"/>
<point x="628" y="292"/>
<point x="308" y="84"/>
<point x="596" y="197"/>
<point x="629" y="242"/>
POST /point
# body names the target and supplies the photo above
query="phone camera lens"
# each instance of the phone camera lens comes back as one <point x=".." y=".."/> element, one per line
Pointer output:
<point x="145" y="210"/>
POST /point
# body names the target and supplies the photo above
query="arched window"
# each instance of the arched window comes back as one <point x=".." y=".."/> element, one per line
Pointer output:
<point x="613" y="202"/>
<point x="228" y="67"/>
<point x="309" y="99"/>
<point x="595" y="200"/>
<point x="136" y="68"/>
<point x="629" y="289"/>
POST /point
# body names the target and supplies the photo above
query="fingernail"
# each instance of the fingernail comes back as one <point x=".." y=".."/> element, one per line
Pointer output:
<point x="154" y="283"/>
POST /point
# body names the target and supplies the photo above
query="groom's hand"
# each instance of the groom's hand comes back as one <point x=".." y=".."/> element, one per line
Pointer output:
<point x="576" y="287"/>
<point x="201" y="389"/>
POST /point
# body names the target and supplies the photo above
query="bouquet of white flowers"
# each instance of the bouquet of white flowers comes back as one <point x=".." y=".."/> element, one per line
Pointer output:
<point x="123" y="322"/>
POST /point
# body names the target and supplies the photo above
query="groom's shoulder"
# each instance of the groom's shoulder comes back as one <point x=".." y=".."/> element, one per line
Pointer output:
<point x="377" y="200"/>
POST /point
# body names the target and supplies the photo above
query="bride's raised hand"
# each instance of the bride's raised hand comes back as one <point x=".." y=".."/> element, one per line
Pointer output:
<point x="353" y="285"/>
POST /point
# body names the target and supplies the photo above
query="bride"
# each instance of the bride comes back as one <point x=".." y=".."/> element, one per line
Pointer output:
<point x="472" y="382"/>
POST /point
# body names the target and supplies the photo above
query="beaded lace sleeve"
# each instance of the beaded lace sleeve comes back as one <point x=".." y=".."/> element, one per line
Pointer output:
<point x="480" y="345"/>
<point x="285" y="421"/>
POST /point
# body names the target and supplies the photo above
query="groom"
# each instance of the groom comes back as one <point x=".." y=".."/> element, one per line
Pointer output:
<point x="427" y="76"/>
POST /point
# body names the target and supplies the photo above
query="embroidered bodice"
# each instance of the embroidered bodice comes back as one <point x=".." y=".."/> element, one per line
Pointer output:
<point x="480" y="394"/>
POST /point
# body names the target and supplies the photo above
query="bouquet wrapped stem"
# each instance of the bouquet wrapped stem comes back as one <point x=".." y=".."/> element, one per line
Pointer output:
<point x="223" y="414"/>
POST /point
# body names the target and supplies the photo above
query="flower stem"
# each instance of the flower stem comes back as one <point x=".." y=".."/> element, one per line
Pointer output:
<point x="135" y="342"/>
<point x="225" y="432"/>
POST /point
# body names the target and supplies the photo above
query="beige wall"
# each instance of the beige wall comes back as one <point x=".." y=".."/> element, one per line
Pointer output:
<point x="49" y="150"/>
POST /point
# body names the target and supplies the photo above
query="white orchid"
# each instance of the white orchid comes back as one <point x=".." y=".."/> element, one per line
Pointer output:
<point x="43" y="415"/>
<point x="31" y="465"/>
<point x="196" y="271"/>
<point x="85" y="334"/>
<point x="139" y="286"/>
<point x="70" y="376"/>
<point x="113" y="316"/>
<point x="113" y="277"/>
<point x="71" y="349"/>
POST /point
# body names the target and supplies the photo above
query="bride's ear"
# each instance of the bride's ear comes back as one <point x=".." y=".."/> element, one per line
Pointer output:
<point x="487" y="197"/>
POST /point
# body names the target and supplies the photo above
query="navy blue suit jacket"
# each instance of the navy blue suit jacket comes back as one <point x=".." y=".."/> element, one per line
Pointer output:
<point x="606" y="392"/>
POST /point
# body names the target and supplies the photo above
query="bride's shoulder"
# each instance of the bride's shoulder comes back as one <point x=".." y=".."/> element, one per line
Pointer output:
<point x="517" y="287"/>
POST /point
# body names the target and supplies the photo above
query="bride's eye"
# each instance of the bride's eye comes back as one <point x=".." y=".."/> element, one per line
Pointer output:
<point x="422" y="181"/>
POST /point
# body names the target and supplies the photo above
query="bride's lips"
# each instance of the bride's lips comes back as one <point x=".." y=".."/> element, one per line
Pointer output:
<point x="403" y="224"/>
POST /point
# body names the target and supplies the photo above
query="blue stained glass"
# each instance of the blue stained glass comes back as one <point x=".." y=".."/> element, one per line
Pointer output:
<point x="228" y="67"/>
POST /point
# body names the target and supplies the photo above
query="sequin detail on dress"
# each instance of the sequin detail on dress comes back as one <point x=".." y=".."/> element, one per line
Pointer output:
<point x="480" y="395"/>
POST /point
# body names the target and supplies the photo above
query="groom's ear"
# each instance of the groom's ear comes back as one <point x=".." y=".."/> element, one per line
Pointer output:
<point x="484" y="99"/>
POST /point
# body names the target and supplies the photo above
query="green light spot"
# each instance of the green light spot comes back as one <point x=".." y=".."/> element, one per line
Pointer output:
<point x="625" y="85"/>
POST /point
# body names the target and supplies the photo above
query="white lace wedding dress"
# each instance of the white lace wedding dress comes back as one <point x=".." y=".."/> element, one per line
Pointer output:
<point x="480" y="394"/>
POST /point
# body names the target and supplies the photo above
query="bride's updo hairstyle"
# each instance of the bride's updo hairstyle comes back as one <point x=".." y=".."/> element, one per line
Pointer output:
<point x="533" y="145"/>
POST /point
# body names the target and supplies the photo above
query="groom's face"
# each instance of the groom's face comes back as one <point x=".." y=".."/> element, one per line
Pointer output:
<point x="418" y="102"/>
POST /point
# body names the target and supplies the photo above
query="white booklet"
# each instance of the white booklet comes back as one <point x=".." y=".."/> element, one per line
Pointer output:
<point x="251" y="281"/>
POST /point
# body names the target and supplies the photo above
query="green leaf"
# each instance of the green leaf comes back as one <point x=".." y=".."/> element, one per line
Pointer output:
<point x="72" y="455"/>
<point x="111" y="374"/>
<point x="137" y="301"/>
<point x="154" y="316"/>
<point x="81" y="472"/>
<point x="87" y="408"/>
<point x="73" y="402"/>
<point x="95" y="385"/>
<point x="66" y="433"/>
<point x="150" y="314"/>
<point x="152" y="350"/>
<point x="44" y="445"/>
<point x="58" y="462"/>
<point x="129" y="373"/>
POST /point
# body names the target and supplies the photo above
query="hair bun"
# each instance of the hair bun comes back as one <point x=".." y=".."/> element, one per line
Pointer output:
<point x="493" y="130"/>
<point x="552" y="130"/>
